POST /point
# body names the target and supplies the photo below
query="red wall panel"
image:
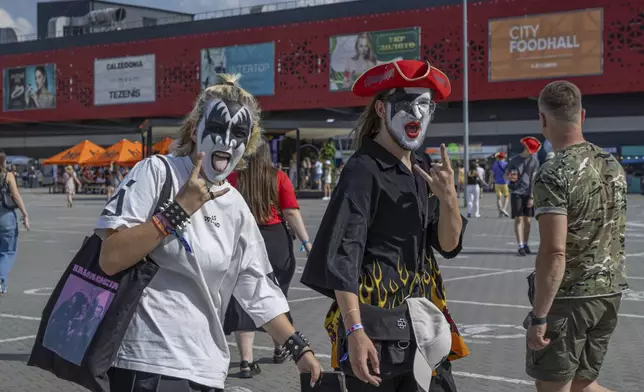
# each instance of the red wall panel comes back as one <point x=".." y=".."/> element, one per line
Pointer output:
<point x="302" y="59"/>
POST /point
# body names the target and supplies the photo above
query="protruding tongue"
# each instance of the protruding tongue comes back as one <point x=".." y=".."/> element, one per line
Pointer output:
<point x="219" y="163"/>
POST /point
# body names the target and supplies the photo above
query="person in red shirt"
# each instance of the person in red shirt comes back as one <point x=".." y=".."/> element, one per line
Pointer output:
<point x="270" y="196"/>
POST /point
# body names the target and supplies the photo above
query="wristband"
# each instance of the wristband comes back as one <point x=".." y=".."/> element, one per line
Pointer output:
<point x="159" y="225"/>
<point x="536" y="321"/>
<point x="175" y="215"/>
<point x="303" y="247"/>
<point x="171" y="230"/>
<point x="354" y="328"/>
<point x="297" y="345"/>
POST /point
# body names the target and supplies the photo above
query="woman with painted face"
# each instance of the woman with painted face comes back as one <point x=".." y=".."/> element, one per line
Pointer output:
<point x="208" y="247"/>
<point x="387" y="214"/>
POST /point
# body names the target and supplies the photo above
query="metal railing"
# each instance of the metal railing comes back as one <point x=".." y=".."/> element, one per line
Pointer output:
<point x="116" y="26"/>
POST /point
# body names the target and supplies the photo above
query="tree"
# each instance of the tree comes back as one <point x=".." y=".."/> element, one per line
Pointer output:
<point x="327" y="153"/>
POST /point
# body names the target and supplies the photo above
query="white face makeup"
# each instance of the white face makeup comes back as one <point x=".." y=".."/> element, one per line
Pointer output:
<point x="223" y="134"/>
<point x="409" y="112"/>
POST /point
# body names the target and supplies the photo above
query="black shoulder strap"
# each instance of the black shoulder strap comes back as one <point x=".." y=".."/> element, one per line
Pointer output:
<point x="167" y="184"/>
<point x="426" y="165"/>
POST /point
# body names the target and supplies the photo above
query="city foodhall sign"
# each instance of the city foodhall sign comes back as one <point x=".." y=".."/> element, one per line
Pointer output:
<point x="545" y="46"/>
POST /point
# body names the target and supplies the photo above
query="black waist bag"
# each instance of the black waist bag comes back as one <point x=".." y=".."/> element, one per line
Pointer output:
<point x="390" y="330"/>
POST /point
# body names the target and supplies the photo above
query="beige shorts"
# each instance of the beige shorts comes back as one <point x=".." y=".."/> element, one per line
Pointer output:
<point x="502" y="190"/>
<point x="581" y="329"/>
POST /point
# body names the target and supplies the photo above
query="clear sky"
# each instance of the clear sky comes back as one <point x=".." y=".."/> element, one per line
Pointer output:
<point x="21" y="14"/>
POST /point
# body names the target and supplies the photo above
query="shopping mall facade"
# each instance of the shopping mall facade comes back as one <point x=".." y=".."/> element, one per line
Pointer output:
<point x="300" y="62"/>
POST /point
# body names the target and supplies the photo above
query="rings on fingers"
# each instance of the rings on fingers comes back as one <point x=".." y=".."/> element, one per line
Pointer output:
<point x="212" y="195"/>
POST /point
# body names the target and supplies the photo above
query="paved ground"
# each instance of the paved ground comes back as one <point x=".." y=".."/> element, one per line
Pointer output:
<point x="485" y="285"/>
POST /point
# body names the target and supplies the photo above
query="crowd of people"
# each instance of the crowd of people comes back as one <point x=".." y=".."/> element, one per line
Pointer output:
<point x="223" y="243"/>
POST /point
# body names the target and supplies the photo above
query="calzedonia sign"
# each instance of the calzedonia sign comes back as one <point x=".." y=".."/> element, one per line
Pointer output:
<point x="124" y="80"/>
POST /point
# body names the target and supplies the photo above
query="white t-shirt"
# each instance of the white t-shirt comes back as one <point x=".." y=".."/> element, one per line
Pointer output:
<point x="177" y="328"/>
<point x="318" y="168"/>
<point x="481" y="172"/>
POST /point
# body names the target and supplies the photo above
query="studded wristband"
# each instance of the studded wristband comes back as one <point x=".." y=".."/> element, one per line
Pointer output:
<point x="175" y="215"/>
<point x="297" y="345"/>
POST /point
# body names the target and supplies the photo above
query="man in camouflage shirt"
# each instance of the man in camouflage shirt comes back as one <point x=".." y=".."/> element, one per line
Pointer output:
<point x="580" y="203"/>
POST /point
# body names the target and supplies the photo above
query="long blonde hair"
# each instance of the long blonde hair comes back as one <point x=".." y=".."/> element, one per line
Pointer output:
<point x="369" y="123"/>
<point x="227" y="89"/>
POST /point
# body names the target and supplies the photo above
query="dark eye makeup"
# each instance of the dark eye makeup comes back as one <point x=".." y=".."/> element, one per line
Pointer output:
<point x="240" y="132"/>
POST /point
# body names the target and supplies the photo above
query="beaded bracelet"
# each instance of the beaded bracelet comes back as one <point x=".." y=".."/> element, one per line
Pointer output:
<point x="158" y="224"/>
<point x="172" y="231"/>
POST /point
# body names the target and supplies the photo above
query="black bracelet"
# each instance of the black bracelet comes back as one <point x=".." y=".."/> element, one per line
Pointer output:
<point x="297" y="345"/>
<point x="175" y="215"/>
<point x="307" y="349"/>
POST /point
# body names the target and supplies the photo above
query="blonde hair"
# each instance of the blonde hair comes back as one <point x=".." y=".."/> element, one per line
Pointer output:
<point x="562" y="100"/>
<point x="369" y="122"/>
<point x="227" y="89"/>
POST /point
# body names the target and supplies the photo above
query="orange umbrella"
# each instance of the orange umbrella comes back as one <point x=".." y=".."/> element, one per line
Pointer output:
<point x="123" y="153"/>
<point x="162" y="147"/>
<point x="77" y="155"/>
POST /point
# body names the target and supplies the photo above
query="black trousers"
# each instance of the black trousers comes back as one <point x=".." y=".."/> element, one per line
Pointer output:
<point x="123" y="380"/>
<point x="442" y="382"/>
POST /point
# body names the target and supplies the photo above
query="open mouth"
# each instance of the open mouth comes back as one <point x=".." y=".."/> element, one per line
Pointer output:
<point x="412" y="129"/>
<point x="220" y="160"/>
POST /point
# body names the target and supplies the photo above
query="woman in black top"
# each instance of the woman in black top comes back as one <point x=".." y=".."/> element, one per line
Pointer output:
<point x="473" y="191"/>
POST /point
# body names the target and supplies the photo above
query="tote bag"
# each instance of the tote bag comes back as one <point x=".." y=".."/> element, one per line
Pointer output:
<point x="88" y="313"/>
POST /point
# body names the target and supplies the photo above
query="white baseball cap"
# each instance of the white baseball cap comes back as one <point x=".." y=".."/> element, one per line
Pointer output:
<point x="433" y="339"/>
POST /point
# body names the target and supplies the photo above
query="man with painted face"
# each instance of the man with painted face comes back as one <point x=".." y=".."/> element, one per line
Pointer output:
<point x="208" y="248"/>
<point x="390" y="210"/>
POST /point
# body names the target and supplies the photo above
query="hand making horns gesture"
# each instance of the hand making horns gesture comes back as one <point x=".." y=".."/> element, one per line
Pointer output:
<point x="440" y="177"/>
<point x="194" y="192"/>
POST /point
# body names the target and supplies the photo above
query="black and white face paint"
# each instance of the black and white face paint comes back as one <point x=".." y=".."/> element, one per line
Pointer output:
<point x="409" y="112"/>
<point x="223" y="134"/>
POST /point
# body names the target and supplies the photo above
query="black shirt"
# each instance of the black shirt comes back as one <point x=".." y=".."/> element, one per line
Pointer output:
<point x="370" y="238"/>
<point x="473" y="177"/>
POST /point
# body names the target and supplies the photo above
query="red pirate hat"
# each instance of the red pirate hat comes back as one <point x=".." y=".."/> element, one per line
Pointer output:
<point x="400" y="74"/>
<point x="532" y="143"/>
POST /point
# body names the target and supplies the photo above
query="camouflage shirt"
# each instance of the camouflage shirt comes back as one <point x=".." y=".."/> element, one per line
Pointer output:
<point x="588" y="185"/>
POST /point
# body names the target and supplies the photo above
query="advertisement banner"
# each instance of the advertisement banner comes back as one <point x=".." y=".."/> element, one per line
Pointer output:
<point x="352" y="55"/>
<point x="456" y="151"/>
<point x="30" y="87"/>
<point x="560" y="44"/>
<point x="256" y="64"/>
<point x="124" y="80"/>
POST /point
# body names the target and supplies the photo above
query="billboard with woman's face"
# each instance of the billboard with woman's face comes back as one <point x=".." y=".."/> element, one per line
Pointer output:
<point x="30" y="87"/>
<point x="352" y="55"/>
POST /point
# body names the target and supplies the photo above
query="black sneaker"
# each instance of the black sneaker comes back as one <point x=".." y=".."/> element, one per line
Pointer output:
<point x="527" y="250"/>
<point x="521" y="252"/>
